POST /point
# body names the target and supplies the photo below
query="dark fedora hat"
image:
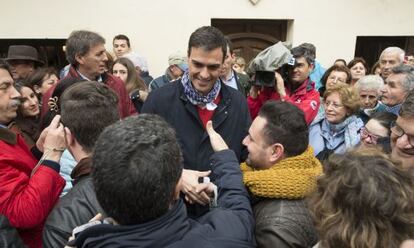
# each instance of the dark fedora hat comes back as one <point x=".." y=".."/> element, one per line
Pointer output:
<point x="22" y="52"/>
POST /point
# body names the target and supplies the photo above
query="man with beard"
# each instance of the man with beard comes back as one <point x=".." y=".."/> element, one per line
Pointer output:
<point x="280" y="171"/>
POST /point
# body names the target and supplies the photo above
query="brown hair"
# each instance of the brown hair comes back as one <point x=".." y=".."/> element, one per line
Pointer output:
<point x="364" y="199"/>
<point x="133" y="78"/>
<point x="349" y="96"/>
<point x="374" y="67"/>
<point x="359" y="60"/>
<point x="331" y="69"/>
<point x="36" y="78"/>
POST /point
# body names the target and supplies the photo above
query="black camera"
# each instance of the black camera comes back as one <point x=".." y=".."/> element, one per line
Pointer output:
<point x="264" y="78"/>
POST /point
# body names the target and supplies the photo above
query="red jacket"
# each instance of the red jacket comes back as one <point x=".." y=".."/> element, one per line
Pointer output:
<point x="26" y="200"/>
<point x="126" y="108"/>
<point x="305" y="97"/>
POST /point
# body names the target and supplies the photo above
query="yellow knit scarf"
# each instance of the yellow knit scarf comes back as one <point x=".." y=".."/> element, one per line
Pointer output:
<point x="291" y="178"/>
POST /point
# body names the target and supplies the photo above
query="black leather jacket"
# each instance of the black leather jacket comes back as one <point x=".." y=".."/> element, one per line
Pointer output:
<point x="74" y="209"/>
<point x="283" y="223"/>
<point x="8" y="235"/>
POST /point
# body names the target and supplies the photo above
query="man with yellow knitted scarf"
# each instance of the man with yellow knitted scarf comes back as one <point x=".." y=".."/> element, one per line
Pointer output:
<point x="279" y="172"/>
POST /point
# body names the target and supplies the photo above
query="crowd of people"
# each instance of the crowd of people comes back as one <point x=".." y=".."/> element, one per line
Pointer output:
<point x="101" y="154"/>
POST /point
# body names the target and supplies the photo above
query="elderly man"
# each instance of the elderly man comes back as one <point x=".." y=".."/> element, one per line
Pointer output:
<point x="23" y="60"/>
<point x="402" y="134"/>
<point x="399" y="82"/>
<point x="29" y="180"/>
<point x="85" y="52"/>
<point x="121" y="45"/>
<point x="369" y="90"/>
<point x="199" y="96"/>
<point x="389" y="58"/>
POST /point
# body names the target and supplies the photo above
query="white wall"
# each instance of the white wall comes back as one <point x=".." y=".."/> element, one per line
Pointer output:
<point x="159" y="27"/>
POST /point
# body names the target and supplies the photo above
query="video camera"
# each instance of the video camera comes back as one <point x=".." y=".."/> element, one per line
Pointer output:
<point x="267" y="78"/>
<point x="276" y="58"/>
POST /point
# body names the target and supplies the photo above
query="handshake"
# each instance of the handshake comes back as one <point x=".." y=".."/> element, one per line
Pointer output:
<point x="196" y="185"/>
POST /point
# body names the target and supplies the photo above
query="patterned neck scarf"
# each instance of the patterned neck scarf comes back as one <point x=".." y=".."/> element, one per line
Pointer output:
<point x="351" y="127"/>
<point x="198" y="99"/>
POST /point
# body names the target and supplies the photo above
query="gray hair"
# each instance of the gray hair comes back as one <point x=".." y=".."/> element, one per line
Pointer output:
<point x="407" y="108"/>
<point x="408" y="71"/>
<point x="301" y="51"/>
<point x="370" y="82"/>
<point x="80" y="42"/>
<point x="311" y="48"/>
<point x="397" y="50"/>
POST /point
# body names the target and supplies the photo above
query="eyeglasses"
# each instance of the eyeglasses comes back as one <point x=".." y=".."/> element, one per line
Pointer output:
<point x="399" y="132"/>
<point x="365" y="134"/>
<point x="336" y="79"/>
<point x="334" y="104"/>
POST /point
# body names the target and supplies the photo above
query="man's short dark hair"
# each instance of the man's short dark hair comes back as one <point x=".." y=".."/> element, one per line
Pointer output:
<point x="137" y="164"/>
<point x="80" y="42"/>
<point x="285" y="124"/>
<point x="87" y="108"/>
<point x="408" y="71"/>
<point x="122" y="37"/>
<point x="229" y="45"/>
<point x="5" y="66"/>
<point x="301" y="51"/>
<point x="208" y="38"/>
<point x="407" y="107"/>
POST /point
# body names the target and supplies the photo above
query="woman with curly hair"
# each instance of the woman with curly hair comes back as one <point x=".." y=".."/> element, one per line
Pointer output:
<point x="364" y="199"/>
<point x="337" y="127"/>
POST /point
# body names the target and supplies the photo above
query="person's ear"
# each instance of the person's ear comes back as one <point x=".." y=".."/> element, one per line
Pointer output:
<point x="69" y="137"/>
<point x="36" y="89"/>
<point x="277" y="153"/>
<point x="311" y="66"/>
<point x="80" y="59"/>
